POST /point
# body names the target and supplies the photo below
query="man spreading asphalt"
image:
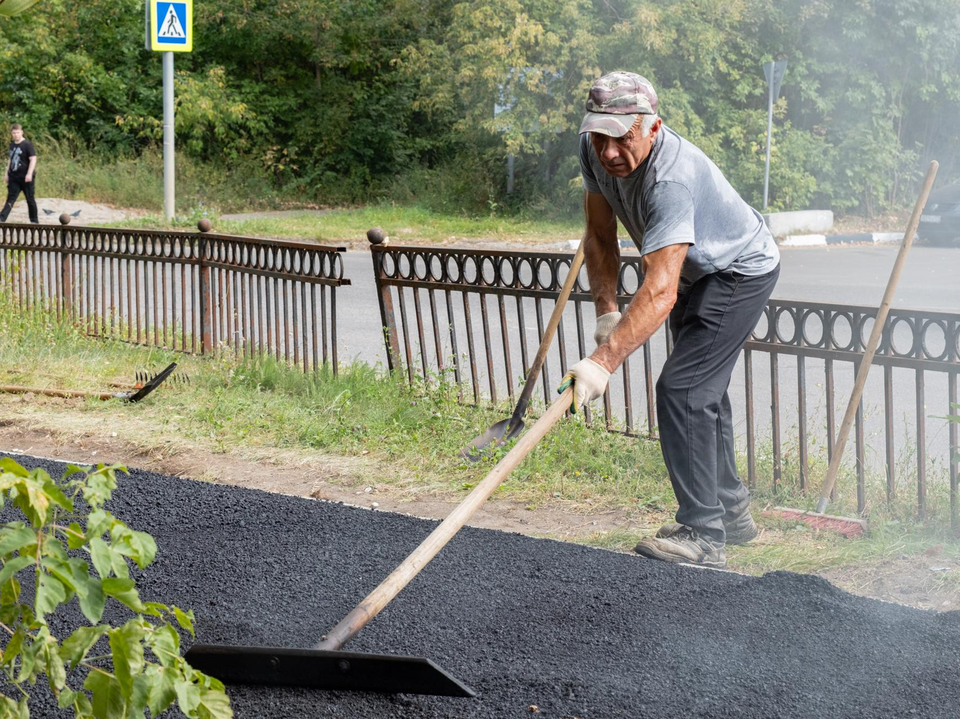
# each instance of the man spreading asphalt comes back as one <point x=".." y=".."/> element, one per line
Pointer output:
<point x="18" y="174"/>
<point x="710" y="265"/>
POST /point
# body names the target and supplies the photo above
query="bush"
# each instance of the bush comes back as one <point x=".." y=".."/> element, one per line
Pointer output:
<point x="140" y="666"/>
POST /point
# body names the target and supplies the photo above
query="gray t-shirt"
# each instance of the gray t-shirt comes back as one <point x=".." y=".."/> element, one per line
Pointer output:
<point x="677" y="195"/>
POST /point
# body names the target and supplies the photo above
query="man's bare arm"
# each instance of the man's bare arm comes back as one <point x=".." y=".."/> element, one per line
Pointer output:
<point x="649" y="308"/>
<point x="6" y="171"/>
<point x="30" y="168"/>
<point x="601" y="251"/>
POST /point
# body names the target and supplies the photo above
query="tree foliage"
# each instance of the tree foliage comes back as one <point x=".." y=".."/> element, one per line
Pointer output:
<point x="137" y="665"/>
<point x="344" y="100"/>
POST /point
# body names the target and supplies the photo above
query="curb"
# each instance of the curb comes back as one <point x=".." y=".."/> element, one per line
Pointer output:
<point x="874" y="238"/>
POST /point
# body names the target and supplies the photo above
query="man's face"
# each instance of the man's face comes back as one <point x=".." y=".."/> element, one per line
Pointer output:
<point x="17" y="135"/>
<point x="620" y="156"/>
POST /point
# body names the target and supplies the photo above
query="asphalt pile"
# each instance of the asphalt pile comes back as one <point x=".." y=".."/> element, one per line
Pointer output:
<point x="536" y="627"/>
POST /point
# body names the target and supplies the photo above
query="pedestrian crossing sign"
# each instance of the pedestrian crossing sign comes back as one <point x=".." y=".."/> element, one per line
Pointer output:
<point x="170" y="25"/>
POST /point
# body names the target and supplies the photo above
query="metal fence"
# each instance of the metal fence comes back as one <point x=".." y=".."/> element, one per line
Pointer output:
<point x="476" y="317"/>
<point x="184" y="291"/>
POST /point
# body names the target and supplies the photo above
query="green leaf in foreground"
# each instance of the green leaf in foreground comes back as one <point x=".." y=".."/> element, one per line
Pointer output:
<point x="15" y="536"/>
<point x="127" y="653"/>
<point x="214" y="704"/>
<point x="107" y="693"/>
<point x="49" y="595"/>
<point x="13" y="566"/>
<point x="126" y="681"/>
<point x="188" y="696"/>
<point x="75" y="648"/>
<point x="9" y="709"/>
<point x="184" y="619"/>
<point x="161" y="692"/>
<point x="123" y="590"/>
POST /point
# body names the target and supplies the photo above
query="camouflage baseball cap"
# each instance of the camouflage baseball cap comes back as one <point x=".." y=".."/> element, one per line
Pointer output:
<point x="615" y="101"/>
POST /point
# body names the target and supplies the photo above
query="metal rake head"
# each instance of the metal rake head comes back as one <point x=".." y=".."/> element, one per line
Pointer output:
<point x="142" y="377"/>
<point x="151" y="384"/>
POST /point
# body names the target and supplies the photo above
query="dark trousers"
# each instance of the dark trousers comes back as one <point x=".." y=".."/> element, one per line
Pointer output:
<point x="14" y="188"/>
<point x="710" y="323"/>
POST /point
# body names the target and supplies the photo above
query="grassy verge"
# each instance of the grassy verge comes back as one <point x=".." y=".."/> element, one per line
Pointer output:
<point x="407" y="225"/>
<point x="212" y="190"/>
<point x="791" y="546"/>
<point x="412" y="434"/>
<point x="137" y="181"/>
<point x="418" y="432"/>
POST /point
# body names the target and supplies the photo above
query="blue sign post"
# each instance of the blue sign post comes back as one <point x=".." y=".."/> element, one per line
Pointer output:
<point x="169" y="29"/>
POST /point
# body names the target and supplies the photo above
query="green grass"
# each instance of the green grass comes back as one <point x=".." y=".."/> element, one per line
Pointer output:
<point x="403" y="224"/>
<point x="416" y="431"/>
<point x="902" y="507"/>
<point x="793" y="546"/>
<point x="136" y="182"/>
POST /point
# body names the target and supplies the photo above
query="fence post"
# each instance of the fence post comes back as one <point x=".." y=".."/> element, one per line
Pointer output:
<point x="387" y="317"/>
<point x="206" y="301"/>
<point x="66" y="274"/>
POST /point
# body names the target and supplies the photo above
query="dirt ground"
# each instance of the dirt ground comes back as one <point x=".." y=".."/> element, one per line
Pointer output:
<point x="60" y="433"/>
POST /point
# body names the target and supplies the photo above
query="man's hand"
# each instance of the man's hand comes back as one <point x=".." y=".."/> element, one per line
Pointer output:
<point x="28" y="178"/>
<point x="605" y="325"/>
<point x="6" y="179"/>
<point x="589" y="381"/>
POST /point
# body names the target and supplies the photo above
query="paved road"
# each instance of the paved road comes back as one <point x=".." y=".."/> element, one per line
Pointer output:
<point x="849" y="275"/>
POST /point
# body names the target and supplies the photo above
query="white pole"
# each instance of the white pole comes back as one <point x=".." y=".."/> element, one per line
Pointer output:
<point x="168" y="156"/>
<point x="766" y="172"/>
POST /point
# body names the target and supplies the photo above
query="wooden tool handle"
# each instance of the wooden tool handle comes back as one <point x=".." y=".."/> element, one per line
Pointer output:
<point x="418" y="559"/>
<point x="67" y="393"/>
<point x="538" y="360"/>
<point x="831" y="479"/>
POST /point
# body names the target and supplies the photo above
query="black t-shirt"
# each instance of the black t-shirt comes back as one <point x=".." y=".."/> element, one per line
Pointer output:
<point x="20" y="154"/>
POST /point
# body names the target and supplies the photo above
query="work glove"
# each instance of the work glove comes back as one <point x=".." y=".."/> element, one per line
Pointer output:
<point x="589" y="381"/>
<point x="605" y="325"/>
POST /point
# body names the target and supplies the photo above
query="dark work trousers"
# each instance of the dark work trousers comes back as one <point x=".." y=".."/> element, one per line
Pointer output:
<point x="710" y="323"/>
<point x="14" y="188"/>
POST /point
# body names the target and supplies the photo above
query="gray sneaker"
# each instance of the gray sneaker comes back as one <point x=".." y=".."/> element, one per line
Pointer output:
<point x="685" y="545"/>
<point x="739" y="530"/>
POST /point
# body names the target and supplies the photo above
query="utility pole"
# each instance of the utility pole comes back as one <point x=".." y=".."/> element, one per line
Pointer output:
<point x="774" y="72"/>
<point x="169" y="202"/>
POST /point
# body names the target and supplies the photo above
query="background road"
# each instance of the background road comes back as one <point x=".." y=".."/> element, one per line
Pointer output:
<point x="847" y="275"/>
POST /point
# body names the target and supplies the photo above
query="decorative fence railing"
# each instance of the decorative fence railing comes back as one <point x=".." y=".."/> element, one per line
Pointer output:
<point x="435" y="302"/>
<point x="185" y="291"/>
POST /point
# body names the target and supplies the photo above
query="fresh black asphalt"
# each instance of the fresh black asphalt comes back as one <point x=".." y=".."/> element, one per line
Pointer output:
<point x="573" y="631"/>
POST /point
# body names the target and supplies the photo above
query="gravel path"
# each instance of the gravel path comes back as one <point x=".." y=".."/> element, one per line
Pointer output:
<point x="90" y="213"/>
<point x="578" y="632"/>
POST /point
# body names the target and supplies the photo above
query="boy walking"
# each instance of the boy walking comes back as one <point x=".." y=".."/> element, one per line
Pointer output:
<point x="18" y="176"/>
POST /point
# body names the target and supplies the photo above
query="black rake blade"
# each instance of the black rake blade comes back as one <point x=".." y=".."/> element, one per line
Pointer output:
<point x="150" y="385"/>
<point x="321" y="669"/>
